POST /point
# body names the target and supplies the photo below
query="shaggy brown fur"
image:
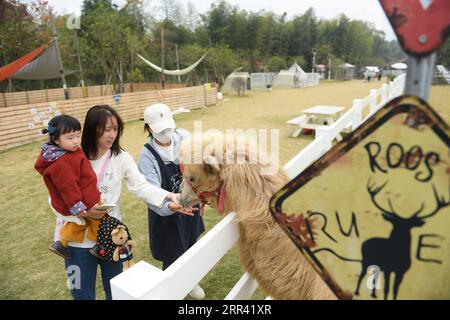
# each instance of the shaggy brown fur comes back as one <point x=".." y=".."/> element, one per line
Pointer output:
<point x="266" y="252"/>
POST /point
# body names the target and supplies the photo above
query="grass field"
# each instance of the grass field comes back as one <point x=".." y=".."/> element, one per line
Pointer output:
<point x="29" y="271"/>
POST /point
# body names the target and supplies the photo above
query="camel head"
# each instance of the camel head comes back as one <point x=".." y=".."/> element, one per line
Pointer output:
<point x="225" y="171"/>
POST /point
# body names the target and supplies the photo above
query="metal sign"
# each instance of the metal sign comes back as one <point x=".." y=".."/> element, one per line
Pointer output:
<point x="373" y="214"/>
<point x="421" y="25"/>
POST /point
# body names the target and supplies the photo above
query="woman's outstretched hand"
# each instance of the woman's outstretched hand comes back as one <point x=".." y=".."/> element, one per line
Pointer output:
<point x="174" y="197"/>
<point x="188" y="211"/>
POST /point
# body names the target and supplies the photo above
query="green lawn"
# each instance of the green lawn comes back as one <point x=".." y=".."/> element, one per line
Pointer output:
<point x="30" y="271"/>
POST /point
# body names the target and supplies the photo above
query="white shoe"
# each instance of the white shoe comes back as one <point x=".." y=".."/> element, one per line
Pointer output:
<point x="197" y="293"/>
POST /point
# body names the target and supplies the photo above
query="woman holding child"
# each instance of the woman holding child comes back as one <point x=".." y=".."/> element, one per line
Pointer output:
<point x="100" y="142"/>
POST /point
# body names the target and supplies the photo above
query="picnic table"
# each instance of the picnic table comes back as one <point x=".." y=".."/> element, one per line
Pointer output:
<point x="316" y="117"/>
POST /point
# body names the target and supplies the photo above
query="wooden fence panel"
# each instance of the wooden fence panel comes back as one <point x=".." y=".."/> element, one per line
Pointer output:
<point x="10" y="99"/>
<point x="20" y="124"/>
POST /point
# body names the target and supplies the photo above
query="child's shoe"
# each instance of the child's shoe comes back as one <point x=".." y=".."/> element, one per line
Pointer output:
<point x="58" y="248"/>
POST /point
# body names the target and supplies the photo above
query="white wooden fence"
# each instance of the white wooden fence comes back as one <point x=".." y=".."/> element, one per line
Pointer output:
<point x="144" y="281"/>
<point x="312" y="79"/>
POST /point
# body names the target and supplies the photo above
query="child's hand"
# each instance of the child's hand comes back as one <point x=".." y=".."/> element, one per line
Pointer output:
<point x="174" y="197"/>
<point x="94" y="214"/>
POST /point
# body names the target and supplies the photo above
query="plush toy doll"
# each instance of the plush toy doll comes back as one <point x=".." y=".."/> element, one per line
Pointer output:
<point x="114" y="241"/>
<point x="124" y="244"/>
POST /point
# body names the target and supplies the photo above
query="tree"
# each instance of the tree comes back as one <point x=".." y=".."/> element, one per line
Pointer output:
<point x="192" y="18"/>
<point x="239" y="84"/>
<point x="300" y="60"/>
<point x="222" y="60"/>
<point x="110" y="37"/>
<point x="276" y="63"/>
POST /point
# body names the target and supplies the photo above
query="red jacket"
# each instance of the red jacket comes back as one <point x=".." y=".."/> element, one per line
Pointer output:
<point x="70" y="180"/>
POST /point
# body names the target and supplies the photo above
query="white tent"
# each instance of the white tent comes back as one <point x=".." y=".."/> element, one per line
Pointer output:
<point x="442" y="76"/>
<point x="296" y="68"/>
<point x="399" y="66"/>
<point x="372" y="69"/>
<point x="302" y="77"/>
<point x="262" y="80"/>
<point x="345" y="71"/>
<point x="346" y="65"/>
<point x="294" y="77"/>
<point x="237" y="80"/>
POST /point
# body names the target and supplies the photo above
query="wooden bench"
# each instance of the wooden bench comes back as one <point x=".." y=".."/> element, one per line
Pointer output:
<point x="298" y="122"/>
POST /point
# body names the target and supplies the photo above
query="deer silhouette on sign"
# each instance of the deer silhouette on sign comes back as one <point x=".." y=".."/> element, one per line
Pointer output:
<point x="393" y="255"/>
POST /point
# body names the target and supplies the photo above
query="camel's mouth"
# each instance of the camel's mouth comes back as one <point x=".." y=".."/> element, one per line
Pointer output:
<point x="191" y="195"/>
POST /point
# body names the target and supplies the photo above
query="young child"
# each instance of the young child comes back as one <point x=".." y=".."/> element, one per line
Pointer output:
<point x="70" y="180"/>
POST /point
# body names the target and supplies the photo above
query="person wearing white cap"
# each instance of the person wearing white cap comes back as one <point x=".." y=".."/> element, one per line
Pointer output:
<point x="171" y="233"/>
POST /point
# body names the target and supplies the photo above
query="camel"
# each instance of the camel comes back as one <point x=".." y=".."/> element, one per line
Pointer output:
<point x="265" y="250"/>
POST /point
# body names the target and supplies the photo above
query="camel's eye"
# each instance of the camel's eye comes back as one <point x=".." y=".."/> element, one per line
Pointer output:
<point x="190" y="179"/>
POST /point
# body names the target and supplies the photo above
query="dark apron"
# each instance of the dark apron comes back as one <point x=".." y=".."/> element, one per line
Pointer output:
<point x="173" y="235"/>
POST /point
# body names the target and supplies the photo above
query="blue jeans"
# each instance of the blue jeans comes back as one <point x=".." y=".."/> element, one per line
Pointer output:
<point x="81" y="270"/>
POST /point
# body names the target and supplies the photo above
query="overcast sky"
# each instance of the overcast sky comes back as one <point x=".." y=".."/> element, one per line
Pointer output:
<point x="368" y="10"/>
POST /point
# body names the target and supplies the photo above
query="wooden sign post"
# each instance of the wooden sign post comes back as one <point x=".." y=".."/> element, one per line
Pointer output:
<point x="372" y="215"/>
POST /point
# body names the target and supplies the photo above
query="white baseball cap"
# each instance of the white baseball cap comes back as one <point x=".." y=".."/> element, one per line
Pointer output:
<point x="159" y="117"/>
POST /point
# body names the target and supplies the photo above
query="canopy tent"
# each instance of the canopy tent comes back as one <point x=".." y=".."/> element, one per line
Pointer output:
<point x="44" y="67"/>
<point x="294" y="77"/>
<point x="345" y="71"/>
<point x="346" y="65"/>
<point x="399" y="66"/>
<point x="8" y="70"/>
<point x="237" y="80"/>
<point x="301" y="74"/>
<point x="296" y="68"/>
<point x="176" y="72"/>
<point x="441" y="75"/>
<point x="369" y="72"/>
<point x="372" y="69"/>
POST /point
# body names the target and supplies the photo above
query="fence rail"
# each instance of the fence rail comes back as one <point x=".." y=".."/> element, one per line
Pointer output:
<point x="9" y="99"/>
<point x="148" y="282"/>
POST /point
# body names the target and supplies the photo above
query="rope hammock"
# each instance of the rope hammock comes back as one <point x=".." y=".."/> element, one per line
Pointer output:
<point x="176" y="72"/>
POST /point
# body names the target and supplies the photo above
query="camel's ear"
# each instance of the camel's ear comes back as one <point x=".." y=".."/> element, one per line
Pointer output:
<point x="211" y="165"/>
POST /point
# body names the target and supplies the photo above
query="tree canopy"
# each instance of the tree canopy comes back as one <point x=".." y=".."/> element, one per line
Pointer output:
<point x="110" y="37"/>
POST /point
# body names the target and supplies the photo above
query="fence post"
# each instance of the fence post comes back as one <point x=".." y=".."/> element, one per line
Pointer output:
<point x="373" y="100"/>
<point x="323" y="133"/>
<point x="357" y="114"/>
<point x="391" y="89"/>
<point x="384" y="96"/>
<point x="394" y="88"/>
